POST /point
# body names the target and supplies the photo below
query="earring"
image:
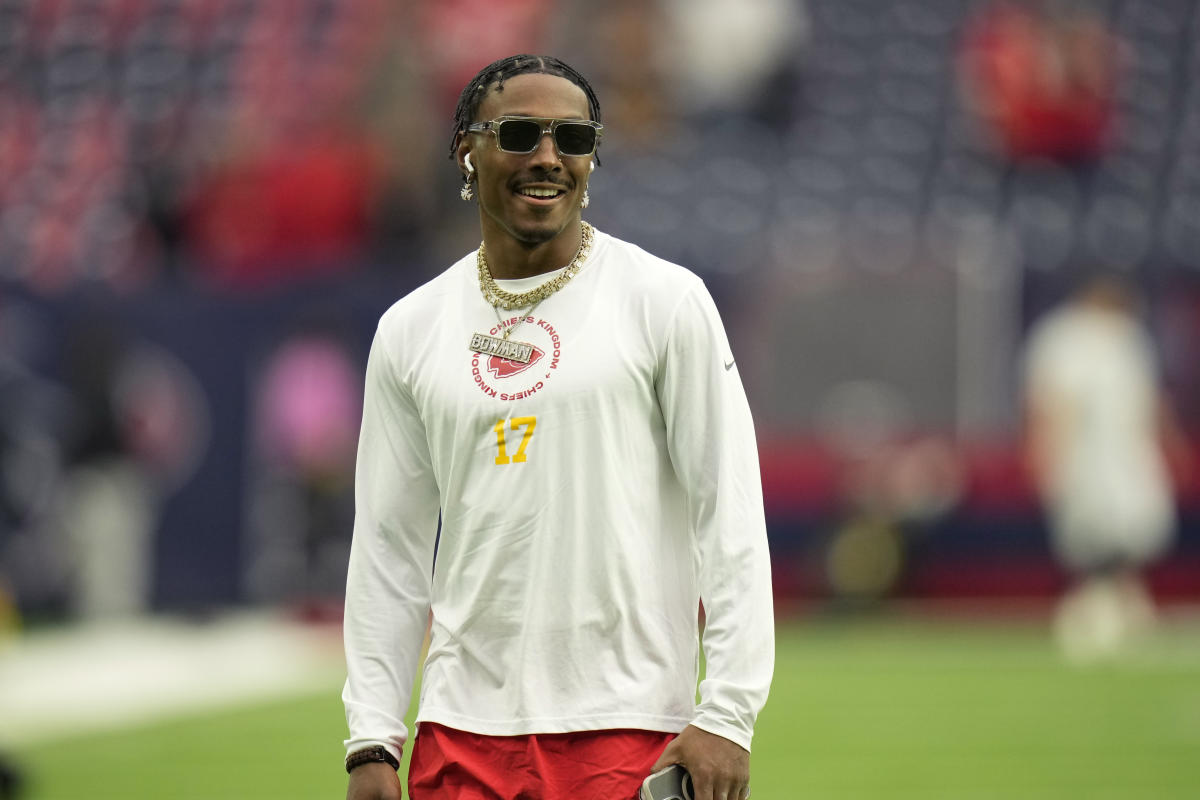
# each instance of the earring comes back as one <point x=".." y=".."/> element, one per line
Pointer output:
<point x="584" y="203"/>
<point x="467" y="191"/>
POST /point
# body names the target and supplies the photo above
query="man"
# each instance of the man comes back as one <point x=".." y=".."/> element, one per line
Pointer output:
<point x="1099" y="432"/>
<point x="570" y="406"/>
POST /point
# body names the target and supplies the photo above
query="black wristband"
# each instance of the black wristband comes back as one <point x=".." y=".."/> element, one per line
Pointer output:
<point x="369" y="755"/>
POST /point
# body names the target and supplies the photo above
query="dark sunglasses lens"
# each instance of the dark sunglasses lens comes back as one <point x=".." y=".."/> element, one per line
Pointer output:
<point x="574" y="138"/>
<point x="518" y="135"/>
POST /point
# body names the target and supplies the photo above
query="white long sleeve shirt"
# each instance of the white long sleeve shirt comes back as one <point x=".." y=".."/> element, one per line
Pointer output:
<point x="589" y="500"/>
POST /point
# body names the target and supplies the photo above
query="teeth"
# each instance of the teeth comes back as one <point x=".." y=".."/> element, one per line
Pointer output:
<point x="534" y="192"/>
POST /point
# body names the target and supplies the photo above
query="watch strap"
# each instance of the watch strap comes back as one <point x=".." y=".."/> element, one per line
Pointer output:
<point x="369" y="755"/>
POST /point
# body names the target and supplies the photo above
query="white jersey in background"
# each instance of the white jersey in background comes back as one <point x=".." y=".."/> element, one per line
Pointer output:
<point x="589" y="498"/>
<point x="1108" y="488"/>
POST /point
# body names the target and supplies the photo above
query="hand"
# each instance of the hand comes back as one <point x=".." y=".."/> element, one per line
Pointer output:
<point x="374" y="781"/>
<point x="719" y="768"/>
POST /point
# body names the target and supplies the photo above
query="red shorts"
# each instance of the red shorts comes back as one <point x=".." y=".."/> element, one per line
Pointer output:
<point x="449" y="764"/>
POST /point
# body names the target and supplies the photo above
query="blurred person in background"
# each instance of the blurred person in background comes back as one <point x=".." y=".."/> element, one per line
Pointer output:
<point x="1100" y="441"/>
<point x="621" y="45"/>
<point x="307" y="407"/>
<point x="1043" y="75"/>
<point x="669" y="62"/>
<point x="10" y="780"/>
<point x="140" y="427"/>
<point x="106" y="506"/>
<point x="10" y="776"/>
<point x="34" y="416"/>
<point x="743" y="56"/>
<point x="570" y="407"/>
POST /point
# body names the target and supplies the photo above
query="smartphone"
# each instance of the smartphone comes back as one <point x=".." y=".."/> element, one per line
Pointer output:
<point x="672" y="783"/>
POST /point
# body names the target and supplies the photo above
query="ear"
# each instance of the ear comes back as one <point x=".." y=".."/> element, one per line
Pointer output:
<point x="461" y="154"/>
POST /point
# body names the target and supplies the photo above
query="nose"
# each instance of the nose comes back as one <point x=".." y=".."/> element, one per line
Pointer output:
<point x="546" y="153"/>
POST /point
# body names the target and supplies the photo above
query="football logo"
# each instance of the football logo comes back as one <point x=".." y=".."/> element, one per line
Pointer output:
<point x="506" y="367"/>
<point x="490" y="372"/>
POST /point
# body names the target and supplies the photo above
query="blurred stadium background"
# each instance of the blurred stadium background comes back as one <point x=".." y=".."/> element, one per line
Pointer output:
<point x="206" y="204"/>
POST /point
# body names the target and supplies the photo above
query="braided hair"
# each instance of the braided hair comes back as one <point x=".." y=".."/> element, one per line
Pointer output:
<point x="498" y="72"/>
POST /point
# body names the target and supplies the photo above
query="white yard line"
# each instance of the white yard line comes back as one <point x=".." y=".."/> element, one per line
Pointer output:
<point x="88" y="679"/>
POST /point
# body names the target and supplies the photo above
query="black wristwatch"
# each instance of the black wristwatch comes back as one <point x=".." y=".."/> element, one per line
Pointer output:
<point x="369" y="755"/>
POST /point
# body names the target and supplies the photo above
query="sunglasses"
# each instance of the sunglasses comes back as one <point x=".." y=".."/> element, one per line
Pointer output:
<point x="572" y="137"/>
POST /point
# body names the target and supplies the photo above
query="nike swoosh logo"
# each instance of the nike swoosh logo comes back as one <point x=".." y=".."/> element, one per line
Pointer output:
<point x="729" y="366"/>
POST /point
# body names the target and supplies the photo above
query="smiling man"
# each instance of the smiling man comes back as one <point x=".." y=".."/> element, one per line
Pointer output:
<point x="568" y="405"/>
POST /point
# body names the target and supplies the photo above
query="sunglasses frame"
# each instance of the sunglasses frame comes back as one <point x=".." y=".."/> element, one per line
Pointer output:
<point x="548" y="125"/>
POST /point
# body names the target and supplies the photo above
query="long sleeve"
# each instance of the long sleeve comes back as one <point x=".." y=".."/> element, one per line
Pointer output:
<point x="391" y="559"/>
<point x="710" y="435"/>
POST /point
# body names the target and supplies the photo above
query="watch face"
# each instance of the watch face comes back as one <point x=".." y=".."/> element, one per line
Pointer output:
<point x="672" y="783"/>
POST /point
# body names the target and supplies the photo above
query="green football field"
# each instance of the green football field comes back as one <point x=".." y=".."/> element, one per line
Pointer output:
<point x="866" y="709"/>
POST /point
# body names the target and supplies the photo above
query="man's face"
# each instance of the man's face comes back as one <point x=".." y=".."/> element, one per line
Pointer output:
<point x="504" y="177"/>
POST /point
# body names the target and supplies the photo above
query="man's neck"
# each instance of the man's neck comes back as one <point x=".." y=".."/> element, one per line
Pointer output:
<point x="509" y="258"/>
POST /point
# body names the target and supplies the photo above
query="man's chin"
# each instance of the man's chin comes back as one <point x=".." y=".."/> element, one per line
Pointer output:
<point x="532" y="234"/>
<point x="532" y="229"/>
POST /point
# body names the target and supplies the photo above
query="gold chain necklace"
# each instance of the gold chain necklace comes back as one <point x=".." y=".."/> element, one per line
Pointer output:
<point x="510" y="301"/>
<point x="508" y="329"/>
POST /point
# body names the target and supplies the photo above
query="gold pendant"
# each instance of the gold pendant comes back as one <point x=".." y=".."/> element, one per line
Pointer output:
<point x="520" y="352"/>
